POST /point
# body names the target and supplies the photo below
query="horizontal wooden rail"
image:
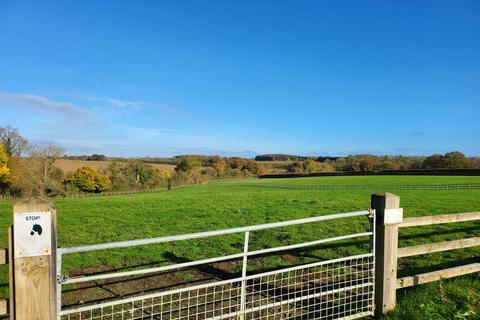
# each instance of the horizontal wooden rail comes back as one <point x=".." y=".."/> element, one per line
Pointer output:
<point x="406" y="282"/>
<point x="3" y="307"/>
<point x="438" y="247"/>
<point x="439" y="219"/>
<point x="3" y="256"/>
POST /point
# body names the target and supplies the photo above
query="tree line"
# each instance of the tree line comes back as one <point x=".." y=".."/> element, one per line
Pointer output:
<point x="28" y="170"/>
<point x="371" y="163"/>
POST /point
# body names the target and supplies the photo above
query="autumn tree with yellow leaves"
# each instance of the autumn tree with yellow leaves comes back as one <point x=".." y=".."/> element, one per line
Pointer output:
<point x="4" y="170"/>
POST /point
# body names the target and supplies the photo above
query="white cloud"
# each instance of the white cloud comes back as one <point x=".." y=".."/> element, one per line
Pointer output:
<point x="42" y="103"/>
<point x="47" y="112"/>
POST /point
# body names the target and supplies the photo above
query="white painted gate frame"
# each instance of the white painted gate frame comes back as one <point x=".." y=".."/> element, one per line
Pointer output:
<point x="250" y="300"/>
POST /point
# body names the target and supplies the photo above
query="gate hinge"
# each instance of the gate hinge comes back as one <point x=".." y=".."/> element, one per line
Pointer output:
<point x="61" y="278"/>
<point x="371" y="213"/>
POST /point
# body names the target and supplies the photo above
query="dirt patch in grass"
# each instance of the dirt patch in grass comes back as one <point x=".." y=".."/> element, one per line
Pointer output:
<point x="122" y="287"/>
<point x="117" y="288"/>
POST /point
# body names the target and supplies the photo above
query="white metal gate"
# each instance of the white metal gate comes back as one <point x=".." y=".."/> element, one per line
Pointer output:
<point x="335" y="289"/>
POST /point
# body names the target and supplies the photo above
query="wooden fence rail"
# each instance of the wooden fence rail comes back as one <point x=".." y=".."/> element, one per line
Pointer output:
<point x="388" y="295"/>
<point x="438" y="247"/>
<point x="437" y="275"/>
<point x="439" y="219"/>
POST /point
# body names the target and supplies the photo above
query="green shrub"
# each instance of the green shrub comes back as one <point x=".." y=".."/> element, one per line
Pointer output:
<point x="188" y="164"/>
<point x="128" y="175"/>
<point x="87" y="180"/>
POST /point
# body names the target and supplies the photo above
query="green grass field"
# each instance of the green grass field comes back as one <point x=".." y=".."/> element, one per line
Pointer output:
<point x="221" y="205"/>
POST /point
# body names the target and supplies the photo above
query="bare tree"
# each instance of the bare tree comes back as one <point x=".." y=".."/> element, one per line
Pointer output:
<point x="13" y="143"/>
<point x="47" y="155"/>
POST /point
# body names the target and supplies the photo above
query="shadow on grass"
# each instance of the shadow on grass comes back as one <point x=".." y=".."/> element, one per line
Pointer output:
<point x="122" y="287"/>
<point x="270" y="292"/>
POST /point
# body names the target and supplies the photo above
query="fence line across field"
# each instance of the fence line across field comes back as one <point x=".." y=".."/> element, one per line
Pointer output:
<point x="359" y="289"/>
<point x="432" y="187"/>
<point x="134" y="191"/>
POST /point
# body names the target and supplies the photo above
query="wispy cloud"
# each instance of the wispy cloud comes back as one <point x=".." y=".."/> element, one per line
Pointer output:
<point x="39" y="102"/>
<point x="131" y="104"/>
<point x="417" y="134"/>
<point x="121" y="103"/>
<point x="62" y="113"/>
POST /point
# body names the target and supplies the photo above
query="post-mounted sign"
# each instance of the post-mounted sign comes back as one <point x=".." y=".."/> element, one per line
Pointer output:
<point x="33" y="234"/>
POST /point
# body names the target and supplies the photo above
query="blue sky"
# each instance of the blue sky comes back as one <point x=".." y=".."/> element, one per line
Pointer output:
<point x="158" y="78"/>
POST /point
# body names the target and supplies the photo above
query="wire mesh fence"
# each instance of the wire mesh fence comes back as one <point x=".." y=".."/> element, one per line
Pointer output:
<point x="335" y="289"/>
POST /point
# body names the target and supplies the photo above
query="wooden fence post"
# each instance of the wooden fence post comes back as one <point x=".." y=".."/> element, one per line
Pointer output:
<point x="34" y="246"/>
<point x="386" y="247"/>
<point x="11" y="280"/>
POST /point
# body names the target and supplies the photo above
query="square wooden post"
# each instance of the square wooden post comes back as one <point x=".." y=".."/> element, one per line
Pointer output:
<point x="11" y="280"/>
<point x="34" y="246"/>
<point x="389" y="216"/>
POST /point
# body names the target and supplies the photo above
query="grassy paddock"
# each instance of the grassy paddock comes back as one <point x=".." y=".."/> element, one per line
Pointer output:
<point x="231" y="204"/>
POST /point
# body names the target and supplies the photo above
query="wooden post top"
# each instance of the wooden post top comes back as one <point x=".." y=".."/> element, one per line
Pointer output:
<point x="385" y="200"/>
<point x="32" y="205"/>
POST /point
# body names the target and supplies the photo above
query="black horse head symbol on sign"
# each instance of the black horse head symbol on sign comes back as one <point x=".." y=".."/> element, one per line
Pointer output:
<point x="37" y="229"/>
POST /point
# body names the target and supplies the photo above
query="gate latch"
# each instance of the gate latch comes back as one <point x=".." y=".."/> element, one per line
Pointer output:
<point x="371" y="214"/>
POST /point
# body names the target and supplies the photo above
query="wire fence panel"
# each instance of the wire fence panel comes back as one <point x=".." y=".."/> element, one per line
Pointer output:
<point x="336" y="289"/>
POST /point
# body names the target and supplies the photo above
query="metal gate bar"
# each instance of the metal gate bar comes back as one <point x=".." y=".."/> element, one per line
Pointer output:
<point x="197" y="235"/>
<point x="210" y="260"/>
<point x="334" y="289"/>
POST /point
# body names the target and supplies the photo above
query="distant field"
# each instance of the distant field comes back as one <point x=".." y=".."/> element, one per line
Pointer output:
<point x="220" y="205"/>
<point x="68" y="165"/>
